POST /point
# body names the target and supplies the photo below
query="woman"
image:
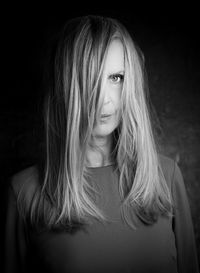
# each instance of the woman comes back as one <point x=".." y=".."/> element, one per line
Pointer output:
<point x="102" y="199"/>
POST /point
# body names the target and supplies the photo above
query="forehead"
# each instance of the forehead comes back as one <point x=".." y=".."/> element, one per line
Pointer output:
<point x="115" y="57"/>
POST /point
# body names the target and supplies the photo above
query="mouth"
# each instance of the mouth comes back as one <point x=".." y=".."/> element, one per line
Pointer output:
<point x="106" y="114"/>
<point x="105" y="118"/>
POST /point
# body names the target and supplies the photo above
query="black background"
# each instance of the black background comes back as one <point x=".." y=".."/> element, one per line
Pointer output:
<point x="169" y="38"/>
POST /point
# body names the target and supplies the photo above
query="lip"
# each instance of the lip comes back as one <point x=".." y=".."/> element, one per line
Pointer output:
<point x="106" y="115"/>
<point x="105" y="118"/>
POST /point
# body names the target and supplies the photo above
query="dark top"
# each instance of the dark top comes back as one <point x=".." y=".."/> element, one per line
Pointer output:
<point x="166" y="246"/>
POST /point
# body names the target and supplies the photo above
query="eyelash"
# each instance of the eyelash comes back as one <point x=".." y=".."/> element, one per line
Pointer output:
<point x="120" y="76"/>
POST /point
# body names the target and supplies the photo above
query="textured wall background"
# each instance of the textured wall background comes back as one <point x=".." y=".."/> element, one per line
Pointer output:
<point x="168" y="37"/>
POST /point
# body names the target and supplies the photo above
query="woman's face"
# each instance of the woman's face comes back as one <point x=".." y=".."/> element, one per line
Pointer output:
<point x="112" y="87"/>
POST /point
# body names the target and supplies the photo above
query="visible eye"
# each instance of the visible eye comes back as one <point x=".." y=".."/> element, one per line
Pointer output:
<point x="116" y="78"/>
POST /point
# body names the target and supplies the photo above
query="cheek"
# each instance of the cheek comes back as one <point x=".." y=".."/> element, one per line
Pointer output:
<point x="116" y="98"/>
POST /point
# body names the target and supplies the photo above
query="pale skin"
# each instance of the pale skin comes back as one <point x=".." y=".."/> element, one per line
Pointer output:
<point x="114" y="74"/>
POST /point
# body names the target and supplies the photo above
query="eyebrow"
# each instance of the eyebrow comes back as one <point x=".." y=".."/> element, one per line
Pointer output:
<point x="116" y="72"/>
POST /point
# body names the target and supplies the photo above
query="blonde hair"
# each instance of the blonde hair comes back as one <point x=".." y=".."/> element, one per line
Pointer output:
<point x="72" y="106"/>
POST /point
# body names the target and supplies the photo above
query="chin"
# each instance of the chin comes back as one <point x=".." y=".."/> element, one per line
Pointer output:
<point x="105" y="129"/>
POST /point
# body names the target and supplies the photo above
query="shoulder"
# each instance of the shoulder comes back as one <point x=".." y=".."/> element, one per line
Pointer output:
<point x="168" y="166"/>
<point x="172" y="173"/>
<point x="25" y="182"/>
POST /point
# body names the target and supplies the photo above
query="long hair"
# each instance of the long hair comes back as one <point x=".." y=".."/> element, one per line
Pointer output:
<point x="72" y="107"/>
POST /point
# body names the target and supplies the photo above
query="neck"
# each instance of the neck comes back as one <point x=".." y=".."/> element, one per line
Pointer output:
<point x="96" y="158"/>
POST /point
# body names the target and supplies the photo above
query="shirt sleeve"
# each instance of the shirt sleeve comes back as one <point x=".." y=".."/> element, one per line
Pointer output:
<point x="183" y="226"/>
<point x="15" y="239"/>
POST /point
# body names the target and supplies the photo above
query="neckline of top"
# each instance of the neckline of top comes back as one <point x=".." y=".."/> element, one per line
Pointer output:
<point x="101" y="167"/>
